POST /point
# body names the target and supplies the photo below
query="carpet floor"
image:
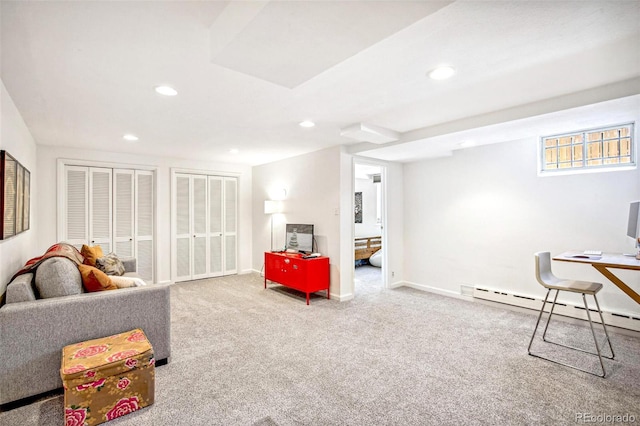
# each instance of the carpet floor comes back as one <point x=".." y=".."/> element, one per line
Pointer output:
<point x="242" y="355"/>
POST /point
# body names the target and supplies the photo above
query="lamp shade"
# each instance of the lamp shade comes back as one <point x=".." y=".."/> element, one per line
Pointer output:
<point x="272" y="206"/>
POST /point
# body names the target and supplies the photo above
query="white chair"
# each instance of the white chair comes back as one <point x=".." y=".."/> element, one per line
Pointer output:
<point x="551" y="282"/>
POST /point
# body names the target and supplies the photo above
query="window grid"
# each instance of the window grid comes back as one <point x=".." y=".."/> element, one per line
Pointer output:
<point x="604" y="148"/>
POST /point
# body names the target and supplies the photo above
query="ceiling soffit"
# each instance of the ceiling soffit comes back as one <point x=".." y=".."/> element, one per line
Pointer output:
<point x="289" y="43"/>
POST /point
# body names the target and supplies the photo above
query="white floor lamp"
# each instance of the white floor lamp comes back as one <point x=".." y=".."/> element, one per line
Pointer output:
<point x="272" y="207"/>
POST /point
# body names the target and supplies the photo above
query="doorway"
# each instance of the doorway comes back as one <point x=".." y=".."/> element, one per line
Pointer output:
<point x="368" y="229"/>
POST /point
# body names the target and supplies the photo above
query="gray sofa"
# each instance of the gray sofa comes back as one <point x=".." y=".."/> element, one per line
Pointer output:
<point x="45" y="312"/>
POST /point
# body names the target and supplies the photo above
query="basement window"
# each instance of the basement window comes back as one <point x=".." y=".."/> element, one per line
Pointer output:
<point x="608" y="148"/>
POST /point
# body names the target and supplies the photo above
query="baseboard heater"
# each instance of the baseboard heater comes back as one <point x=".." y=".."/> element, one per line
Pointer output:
<point x="569" y="310"/>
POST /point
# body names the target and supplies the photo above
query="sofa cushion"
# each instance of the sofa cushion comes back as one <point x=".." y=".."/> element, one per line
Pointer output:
<point x="91" y="254"/>
<point x="110" y="264"/>
<point x="57" y="277"/>
<point x="21" y="289"/>
<point x="94" y="279"/>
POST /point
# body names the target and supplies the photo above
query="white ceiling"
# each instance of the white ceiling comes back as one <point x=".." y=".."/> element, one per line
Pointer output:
<point x="82" y="73"/>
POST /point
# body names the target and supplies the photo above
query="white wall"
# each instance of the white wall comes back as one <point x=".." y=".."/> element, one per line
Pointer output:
<point x="16" y="139"/>
<point x="477" y="218"/>
<point x="369" y="226"/>
<point x="47" y="166"/>
<point x="312" y="182"/>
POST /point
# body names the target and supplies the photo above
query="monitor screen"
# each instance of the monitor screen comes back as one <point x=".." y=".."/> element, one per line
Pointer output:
<point x="299" y="237"/>
<point x="632" y="227"/>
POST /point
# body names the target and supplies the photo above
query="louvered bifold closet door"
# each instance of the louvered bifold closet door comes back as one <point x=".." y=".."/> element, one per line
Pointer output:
<point x="100" y="208"/>
<point x="215" y="226"/>
<point x="123" y="206"/>
<point x="76" y="224"/>
<point x="199" y="220"/>
<point x="144" y="226"/>
<point x="230" y="226"/>
<point x="183" y="227"/>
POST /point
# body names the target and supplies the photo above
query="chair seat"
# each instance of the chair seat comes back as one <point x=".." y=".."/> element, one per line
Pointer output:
<point x="585" y="287"/>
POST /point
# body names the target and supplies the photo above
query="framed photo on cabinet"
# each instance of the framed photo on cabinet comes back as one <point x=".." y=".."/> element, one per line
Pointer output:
<point x="15" y="181"/>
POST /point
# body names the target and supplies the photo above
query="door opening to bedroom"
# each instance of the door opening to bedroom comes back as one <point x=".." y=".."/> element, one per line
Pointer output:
<point x="368" y="229"/>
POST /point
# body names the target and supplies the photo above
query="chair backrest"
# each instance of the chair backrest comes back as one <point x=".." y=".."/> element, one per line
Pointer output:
<point x="543" y="269"/>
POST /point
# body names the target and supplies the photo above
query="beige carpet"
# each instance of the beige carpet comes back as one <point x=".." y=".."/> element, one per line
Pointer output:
<point x="242" y="355"/>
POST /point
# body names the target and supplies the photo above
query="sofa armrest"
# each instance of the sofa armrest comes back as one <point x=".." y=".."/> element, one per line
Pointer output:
<point x="33" y="333"/>
<point x="21" y="289"/>
<point x="130" y="264"/>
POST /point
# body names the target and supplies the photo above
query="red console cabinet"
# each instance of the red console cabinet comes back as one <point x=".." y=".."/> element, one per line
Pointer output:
<point x="291" y="270"/>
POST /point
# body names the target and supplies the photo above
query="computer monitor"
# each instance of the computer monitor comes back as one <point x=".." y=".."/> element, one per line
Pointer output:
<point x="299" y="237"/>
<point x="633" y="226"/>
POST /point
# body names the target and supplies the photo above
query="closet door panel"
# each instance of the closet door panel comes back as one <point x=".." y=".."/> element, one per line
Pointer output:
<point x="182" y="205"/>
<point x="230" y="225"/>
<point x="199" y="226"/>
<point x="230" y="264"/>
<point x="76" y="223"/>
<point x="144" y="226"/>
<point x="144" y="258"/>
<point x="100" y="193"/>
<point x="215" y="226"/>
<point x="123" y="208"/>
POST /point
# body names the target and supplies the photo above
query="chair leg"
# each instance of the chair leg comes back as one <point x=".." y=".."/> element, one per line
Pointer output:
<point x="544" y="302"/>
<point x="553" y="305"/>
<point x="613" y="355"/>
<point x="595" y="340"/>
<point x="599" y="354"/>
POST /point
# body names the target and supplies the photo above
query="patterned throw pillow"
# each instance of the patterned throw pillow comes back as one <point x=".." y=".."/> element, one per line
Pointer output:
<point x="110" y="264"/>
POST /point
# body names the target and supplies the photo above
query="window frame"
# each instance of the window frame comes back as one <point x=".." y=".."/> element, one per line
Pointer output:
<point x="631" y="165"/>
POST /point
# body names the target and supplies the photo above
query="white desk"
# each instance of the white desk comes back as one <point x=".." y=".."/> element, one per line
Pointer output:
<point x="605" y="262"/>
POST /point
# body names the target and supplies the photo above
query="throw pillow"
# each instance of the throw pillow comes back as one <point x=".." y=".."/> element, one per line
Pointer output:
<point x="110" y="264"/>
<point x="122" y="282"/>
<point x="91" y="254"/>
<point x="57" y="277"/>
<point x="94" y="279"/>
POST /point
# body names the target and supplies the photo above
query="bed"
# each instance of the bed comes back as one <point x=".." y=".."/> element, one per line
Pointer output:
<point x="366" y="246"/>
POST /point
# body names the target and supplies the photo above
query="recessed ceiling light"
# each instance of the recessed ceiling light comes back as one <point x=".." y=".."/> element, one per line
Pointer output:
<point x="307" y="123"/>
<point x="166" y="90"/>
<point x="441" y="73"/>
<point x="234" y="151"/>
<point x="130" y="137"/>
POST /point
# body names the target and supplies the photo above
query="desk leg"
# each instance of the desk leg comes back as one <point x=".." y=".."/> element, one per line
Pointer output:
<point x="617" y="281"/>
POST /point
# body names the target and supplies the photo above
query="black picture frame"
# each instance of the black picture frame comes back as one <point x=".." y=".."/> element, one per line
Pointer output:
<point x="15" y="197"/>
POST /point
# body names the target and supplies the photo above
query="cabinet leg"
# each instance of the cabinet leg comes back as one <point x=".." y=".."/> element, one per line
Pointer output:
<point x="307" y="298"/>
<point x="265" y="282"/>
<point x="328" y="295"/>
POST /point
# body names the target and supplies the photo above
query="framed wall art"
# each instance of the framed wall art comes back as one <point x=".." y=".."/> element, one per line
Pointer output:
<point x="15" y="201"/>
<point x="358" y="207"/>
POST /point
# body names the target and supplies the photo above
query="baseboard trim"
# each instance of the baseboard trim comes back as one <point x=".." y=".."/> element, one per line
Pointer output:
<point x="629" y="322"/>
<point x="436" y="290"/>
<point x="343" y="298"/>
